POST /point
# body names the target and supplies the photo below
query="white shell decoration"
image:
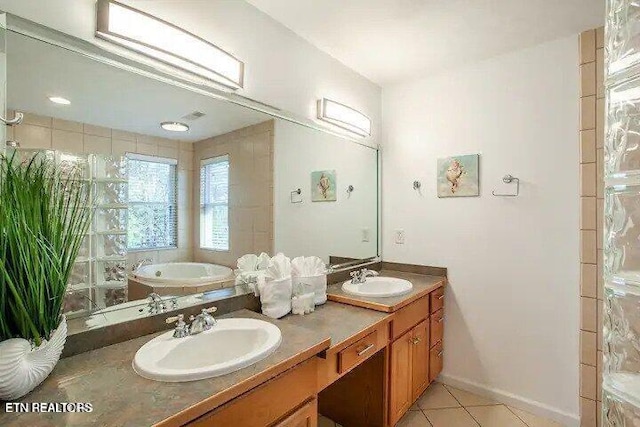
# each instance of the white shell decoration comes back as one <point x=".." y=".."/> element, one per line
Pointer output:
<point x="23" y="368"/>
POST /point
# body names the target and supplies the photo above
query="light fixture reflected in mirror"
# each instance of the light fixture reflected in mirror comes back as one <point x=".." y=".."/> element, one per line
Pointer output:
<point x="163" y="41"/>
<point x="344" y="117"/>
<point x="174" y="126"/>
<point x="59" y="100"/>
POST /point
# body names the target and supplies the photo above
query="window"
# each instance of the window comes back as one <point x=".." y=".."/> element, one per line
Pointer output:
<point x="214" y="203"/>
<point x="153" y="211"/>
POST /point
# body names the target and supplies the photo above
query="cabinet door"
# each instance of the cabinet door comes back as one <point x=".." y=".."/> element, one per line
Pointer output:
<point x="435" y="361"/>
<point x="420" y="359"/>
<point x="400" y="377"/>
<point x="305" y="416"/>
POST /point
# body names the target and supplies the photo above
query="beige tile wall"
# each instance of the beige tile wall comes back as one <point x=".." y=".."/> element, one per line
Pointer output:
<point x="591" y="222"/>
<point x="40" y="132"/>
<point x="250" y="151"/>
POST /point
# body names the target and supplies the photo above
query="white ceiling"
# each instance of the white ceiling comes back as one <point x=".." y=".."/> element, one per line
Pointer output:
<point x="391" y="40"/>
<point x="107" y="96"/>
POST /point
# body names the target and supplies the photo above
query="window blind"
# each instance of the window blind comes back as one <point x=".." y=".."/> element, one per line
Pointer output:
<point x="214" y="203"/>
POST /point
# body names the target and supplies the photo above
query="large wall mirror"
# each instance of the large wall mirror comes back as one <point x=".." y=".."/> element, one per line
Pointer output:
<point x="238" y="181"/>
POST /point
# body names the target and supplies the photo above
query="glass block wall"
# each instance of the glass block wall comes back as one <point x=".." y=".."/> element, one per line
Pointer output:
<point x="98" y="279"/>
<point x="621" y="328"/>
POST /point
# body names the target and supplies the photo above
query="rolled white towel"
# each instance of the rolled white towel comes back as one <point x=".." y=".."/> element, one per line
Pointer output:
<point x="275" y="296"/>
<point x="310" y="275"/>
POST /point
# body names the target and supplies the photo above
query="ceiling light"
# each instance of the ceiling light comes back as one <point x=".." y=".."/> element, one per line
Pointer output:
<point x="344" y="117"/>
<point x="174" y="126"/>
<point x="59" y="100"/>
<point x="155" y="38"/>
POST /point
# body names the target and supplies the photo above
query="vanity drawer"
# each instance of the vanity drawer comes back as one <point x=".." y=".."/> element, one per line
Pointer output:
<point x="437" y="327"/>
<point x="437" y="299"/>
<point x="357" y="352"/>
<point x="436" y="356"/>
<point x="258" y="407"/>
<point x="409" y="316"/>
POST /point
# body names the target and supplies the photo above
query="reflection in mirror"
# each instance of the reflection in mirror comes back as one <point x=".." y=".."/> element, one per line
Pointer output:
<point x="184" y="183"/>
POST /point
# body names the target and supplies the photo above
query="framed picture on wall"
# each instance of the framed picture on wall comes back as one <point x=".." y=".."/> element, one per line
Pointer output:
<point x="459" y="176"/>
<point x="323" y="186"/>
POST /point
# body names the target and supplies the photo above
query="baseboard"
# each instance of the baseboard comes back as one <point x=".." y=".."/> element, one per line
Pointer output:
<point x="537" y="408"/>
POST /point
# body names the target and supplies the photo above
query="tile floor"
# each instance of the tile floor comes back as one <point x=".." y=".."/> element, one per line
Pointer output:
<point x="444" y="406"/>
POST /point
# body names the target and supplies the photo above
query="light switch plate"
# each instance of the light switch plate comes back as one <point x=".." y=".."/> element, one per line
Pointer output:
<point x="399" y="237"/>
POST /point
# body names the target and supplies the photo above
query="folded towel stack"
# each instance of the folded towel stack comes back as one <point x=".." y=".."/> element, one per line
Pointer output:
<point x="310" y="275"/>
<point x="276" y="288"/>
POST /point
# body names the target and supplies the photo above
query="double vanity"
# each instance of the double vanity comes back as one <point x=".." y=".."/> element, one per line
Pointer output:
<point x="359" y="360"/>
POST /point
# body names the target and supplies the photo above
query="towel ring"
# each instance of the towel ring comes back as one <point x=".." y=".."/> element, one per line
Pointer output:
<point x="349" y="190"/>
<point x="17" y="119"/>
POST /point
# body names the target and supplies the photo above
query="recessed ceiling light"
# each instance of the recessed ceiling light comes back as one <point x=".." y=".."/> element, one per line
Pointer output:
<point x="59" y="100"/>
<point x="174" y="126"/>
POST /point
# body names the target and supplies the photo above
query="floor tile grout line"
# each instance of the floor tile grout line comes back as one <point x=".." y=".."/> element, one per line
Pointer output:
<point x="463" y="407"/>
<point x="425" y="415"/>
<point x="517" y="416"/>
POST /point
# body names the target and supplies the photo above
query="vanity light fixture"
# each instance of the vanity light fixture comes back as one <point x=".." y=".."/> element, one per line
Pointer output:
<point x="174" y="126"/>
<point x="165" y="42"/>
<point x="344" y="117"/>
<point x="59" y="100"/>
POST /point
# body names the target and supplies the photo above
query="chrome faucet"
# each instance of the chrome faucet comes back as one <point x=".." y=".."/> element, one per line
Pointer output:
<point x="200" y="323"/>
<point x="203" y="321"/>
<point x="361" y="275"/>
<point x="158" y="305"/>
<point x="137" y="265"/>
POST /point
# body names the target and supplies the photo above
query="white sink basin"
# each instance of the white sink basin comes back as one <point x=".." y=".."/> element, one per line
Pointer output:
<point x="378" y="287"/>
<point x="232" y="344"/>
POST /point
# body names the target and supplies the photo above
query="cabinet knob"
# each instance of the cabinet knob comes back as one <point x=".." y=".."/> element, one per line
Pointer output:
<point x="416" y="340"/>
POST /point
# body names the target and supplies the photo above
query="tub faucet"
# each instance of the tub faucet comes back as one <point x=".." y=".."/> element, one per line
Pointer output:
<point x="137" y="265"/>
<point x="361" y="276"/>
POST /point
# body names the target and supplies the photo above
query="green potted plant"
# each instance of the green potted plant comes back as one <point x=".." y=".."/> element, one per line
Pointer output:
<point x="44" y="216"/>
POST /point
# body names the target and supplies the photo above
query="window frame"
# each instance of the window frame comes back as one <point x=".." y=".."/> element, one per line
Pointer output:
<point x="162" y="160"/>
<point x="203" y="164"/>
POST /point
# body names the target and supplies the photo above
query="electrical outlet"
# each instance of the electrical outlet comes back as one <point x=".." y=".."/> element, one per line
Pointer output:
<point x="399" y="237"/>
<point x="365" y="234"/>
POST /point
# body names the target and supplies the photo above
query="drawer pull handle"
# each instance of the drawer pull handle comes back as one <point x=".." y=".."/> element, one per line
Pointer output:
<point x="440" y="354"/>
<point x="441" y="296"/>
<point x="416" y="340"/>
<point x="440" y="319"/>
<point x="364" y="350"/>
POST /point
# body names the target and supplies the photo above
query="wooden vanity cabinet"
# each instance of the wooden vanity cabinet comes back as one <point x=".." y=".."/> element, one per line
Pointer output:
<point x="415" y="356"/>
<point x="305" y="416"/>
<point x="400" y="377"/>
<point x="286" y="400"/>
<point x="420" y="359"/>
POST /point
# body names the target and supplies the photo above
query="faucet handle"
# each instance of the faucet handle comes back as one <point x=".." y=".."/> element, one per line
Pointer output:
<point x="209" y="310"/>
<point x="179" y="319"/>
<point x="181" y="330"/>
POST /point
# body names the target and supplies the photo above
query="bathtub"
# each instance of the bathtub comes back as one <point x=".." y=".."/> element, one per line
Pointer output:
<point x="182" y="273"/>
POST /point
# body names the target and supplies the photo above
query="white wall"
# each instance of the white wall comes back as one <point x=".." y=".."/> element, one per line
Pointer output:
<point x="512" y="312"/>
<point x="323" y="228"/>
<point x="282" y="69"/>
